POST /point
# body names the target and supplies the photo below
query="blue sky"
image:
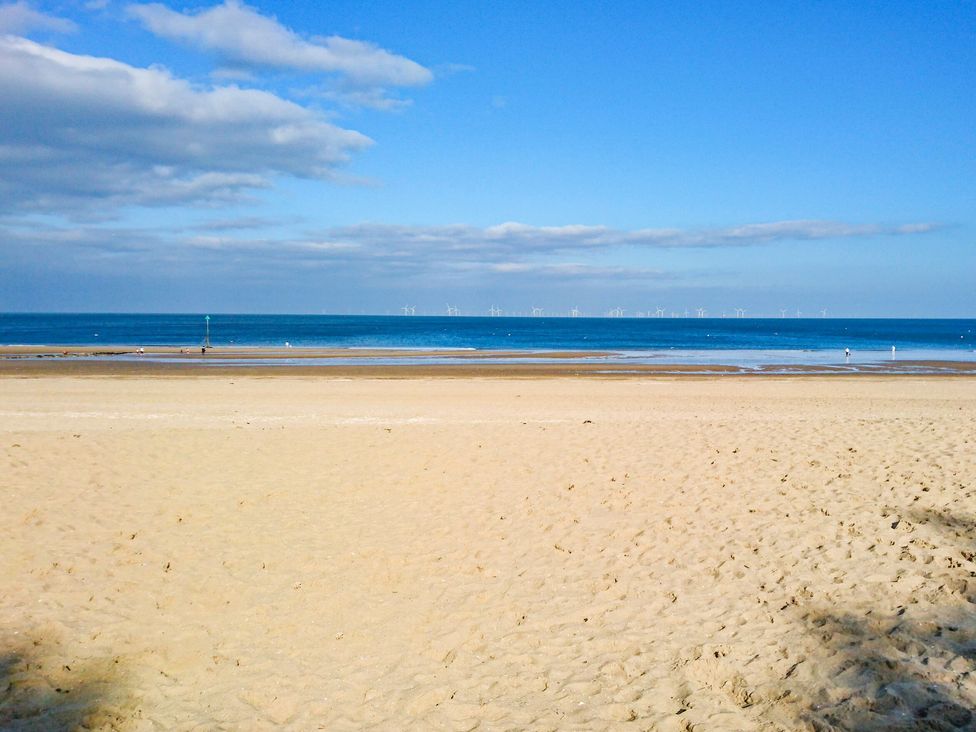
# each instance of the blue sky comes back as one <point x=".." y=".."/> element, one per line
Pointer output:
<point x="357" y="156"/>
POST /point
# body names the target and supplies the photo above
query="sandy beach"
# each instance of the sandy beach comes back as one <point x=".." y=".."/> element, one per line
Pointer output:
<point x="234" y="551"/>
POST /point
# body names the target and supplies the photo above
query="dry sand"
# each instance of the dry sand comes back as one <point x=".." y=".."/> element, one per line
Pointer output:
<point x="312" y="553"/>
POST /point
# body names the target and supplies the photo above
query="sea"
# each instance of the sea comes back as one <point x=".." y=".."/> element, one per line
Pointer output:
<point x="743" y="342"/>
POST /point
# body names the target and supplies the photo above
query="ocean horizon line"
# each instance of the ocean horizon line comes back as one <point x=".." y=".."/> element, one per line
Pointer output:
<point x="516" y="315"/>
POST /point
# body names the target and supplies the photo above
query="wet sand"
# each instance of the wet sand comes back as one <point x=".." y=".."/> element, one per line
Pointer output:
<point x="306" y="552"/>
<point x="255" y="353"/>
<point x="368" y="363"/>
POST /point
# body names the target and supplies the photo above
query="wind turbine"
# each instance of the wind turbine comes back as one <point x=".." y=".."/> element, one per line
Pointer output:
<point x="823" y="313"/>
<point x="659" y="312"/>
<point x="452" y="310"/>
<point x="575" y="312"/>
<point x="409" y="309"/>
<point x="782" y="312"/>
<point x="701" y="312"/>
<point x="494" y="312"/>
<point x="740" y="312"/>
<point x="798" y="313"/>
<point x="536" y="312"/>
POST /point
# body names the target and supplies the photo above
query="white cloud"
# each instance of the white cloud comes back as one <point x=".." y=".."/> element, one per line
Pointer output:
<point x="242" y="35"/>
<point x="81" y="129"/>
<point x="118" y="250"/>
<point x="372" y="253"/>
<point x="237" y="224"/>
<point x="574" y="271"/>
<point x="511" y="238"/>
<point x="19" y="17"/>
<point x="374" y="98"/>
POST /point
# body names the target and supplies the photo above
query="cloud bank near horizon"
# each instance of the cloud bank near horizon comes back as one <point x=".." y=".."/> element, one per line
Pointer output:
<point x="511" y="238"/>
<point x="510" y="251"/>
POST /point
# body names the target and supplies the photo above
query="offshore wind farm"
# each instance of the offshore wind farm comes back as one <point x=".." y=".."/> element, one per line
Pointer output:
<point x="575" y="312"/>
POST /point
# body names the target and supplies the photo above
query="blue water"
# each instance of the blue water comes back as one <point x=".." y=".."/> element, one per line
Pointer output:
<point x="950" y="339"/>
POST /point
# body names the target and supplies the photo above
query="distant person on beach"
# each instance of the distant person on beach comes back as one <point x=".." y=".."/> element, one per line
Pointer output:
<point x="847" y="353"/>
<point x="203" y="350"/>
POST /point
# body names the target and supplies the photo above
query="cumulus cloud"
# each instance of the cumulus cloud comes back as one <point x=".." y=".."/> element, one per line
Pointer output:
<point x="241" y="35"/>
<point x="82" y="129"/>
<point x="19" y="17"/>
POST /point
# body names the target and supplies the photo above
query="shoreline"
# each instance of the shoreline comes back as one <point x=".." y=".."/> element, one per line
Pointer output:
<point x="37" y="363"/>
<point x="278" y="353"/>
